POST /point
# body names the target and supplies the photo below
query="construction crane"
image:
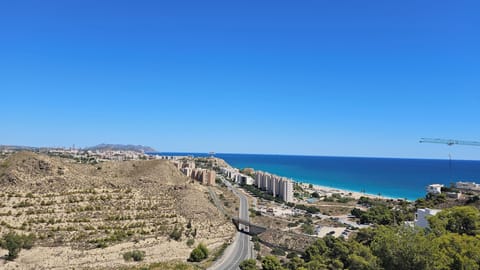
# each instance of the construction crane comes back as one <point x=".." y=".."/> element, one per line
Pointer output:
<point x="449" y="142"/>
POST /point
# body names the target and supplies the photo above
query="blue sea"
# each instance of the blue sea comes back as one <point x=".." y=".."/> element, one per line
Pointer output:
<point x="392" y="177"/>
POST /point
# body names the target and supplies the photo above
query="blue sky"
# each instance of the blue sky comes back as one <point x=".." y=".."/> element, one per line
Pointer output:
<point x="346" y="78"/>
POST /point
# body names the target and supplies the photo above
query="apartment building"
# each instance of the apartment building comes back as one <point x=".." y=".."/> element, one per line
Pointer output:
<point x="277" y="186"/>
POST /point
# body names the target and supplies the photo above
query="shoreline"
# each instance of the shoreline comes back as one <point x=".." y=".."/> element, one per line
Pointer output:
<point x="322" y="189"/>
<point x="326" y="190"/>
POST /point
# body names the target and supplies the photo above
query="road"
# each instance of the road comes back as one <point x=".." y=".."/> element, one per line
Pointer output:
<point x="241" y="248"/>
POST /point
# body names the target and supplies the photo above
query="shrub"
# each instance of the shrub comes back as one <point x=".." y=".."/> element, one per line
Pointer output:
<point x="199" y="253"/>
<point x="176" y="234"/>
<point x="278" y="252"/>
<point x="135" y="255"/>
<point x="256" y="246"/>
<point x="249" y="264"/>
<point x="190" y="242"/>
<point x="14" y="242"/>
<point x="308" y="228"/>
<point x="271" y="263"/>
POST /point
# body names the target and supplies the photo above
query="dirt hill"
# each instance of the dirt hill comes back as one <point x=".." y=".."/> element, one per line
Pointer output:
<point x="91" y="214"/>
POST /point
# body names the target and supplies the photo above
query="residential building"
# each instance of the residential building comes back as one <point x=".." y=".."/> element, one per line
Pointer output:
<point x="277" y="186"/>
<point x="206" y="177"/>
<point x="422" y="215"/>
<point x="468" y="186"/>
<point x="209" y="177"/>
<point x="434" y="189"/>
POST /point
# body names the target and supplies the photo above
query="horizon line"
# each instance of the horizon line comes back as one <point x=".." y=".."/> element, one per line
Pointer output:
<point x="314" y="155"/>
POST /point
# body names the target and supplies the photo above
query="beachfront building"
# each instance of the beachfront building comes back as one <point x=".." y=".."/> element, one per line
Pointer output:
<point x="468" y="186"/>
<point x="277" y="186"/>
<point x="244" y="179"/>
<point x="422" y="215"/>
<point x="187" y="171"/>
<point x="236" y="176"/>
<point x="434" y="189"/>
<point x="206" y="177"/>
<point x="230" y="172"/>
<point x="188" y="168"/>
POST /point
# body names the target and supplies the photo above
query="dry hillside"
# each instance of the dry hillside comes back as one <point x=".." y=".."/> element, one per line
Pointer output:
<point x="87" y="216"/>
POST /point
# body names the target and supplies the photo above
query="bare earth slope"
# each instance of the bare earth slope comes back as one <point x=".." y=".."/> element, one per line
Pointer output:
<point x="87" y="216"/>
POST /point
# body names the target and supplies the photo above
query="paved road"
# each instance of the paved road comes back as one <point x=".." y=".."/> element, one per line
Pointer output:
<point x="241" y="249"/>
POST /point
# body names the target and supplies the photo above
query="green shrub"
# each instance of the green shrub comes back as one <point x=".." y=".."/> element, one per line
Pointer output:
<point x="278" y="252"/>
<point x="190" y="242"/>
<point x="249" y="264"/>
<point x="199" y="253"/>
<point x="177" y="232"/>
<point x="256" y="246"/>
<point x="14" y="242"/>
<point x="135" y="255"/>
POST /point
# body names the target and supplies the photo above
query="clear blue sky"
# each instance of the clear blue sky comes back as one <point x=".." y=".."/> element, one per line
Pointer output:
<point x="348" y="78"/>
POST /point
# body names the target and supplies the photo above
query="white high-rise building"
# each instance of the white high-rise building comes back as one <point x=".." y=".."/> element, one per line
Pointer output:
<point x="277" y="186"/>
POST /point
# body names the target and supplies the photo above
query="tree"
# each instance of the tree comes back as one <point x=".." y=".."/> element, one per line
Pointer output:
<point x="378" y="214"/>
<point x="365" y="236"/>
<point x="295" y="263"/>
<point x="271" y="263"/>
<point x="249" y="264"/>
<point x="461" y="219"/>
<point x="318" y="248"/>
<point x="403" y="248"/>
<point x="457" y="251"/>
<point x="357" y="212"/>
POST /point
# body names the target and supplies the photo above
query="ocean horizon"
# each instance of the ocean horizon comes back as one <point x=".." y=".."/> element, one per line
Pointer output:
<point x="392" y="177"/>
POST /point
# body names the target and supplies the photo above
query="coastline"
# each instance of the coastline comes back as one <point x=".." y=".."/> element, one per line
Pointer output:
<point x="320" y="188"/>
<point x="324" y="190"/>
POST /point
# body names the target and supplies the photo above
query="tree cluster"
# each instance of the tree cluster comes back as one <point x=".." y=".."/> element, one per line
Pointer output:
<point x="384" y="214"/>
<point x="451" y="242"/>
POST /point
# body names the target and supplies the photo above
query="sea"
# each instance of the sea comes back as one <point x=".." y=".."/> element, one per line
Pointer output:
<point x="391" y="177"/>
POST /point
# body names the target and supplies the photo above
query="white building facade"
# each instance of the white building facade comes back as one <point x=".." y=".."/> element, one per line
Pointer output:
<point x="468" y="186"/>
<point x="434" y="189"/>
<point x="277" y="186"/>
<point x="422" y="215"/>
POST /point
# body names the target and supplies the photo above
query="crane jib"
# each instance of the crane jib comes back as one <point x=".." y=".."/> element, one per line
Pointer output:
<point x="449" y="142"/>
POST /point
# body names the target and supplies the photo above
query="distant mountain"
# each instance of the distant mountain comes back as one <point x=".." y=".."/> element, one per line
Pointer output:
<point x="120" y="147"/>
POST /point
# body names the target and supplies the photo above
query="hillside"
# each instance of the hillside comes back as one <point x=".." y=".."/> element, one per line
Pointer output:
<point x="92" y="214"/>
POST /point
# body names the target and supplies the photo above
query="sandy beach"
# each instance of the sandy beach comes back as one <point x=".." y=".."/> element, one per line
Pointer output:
<point x="328" y="191"/>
